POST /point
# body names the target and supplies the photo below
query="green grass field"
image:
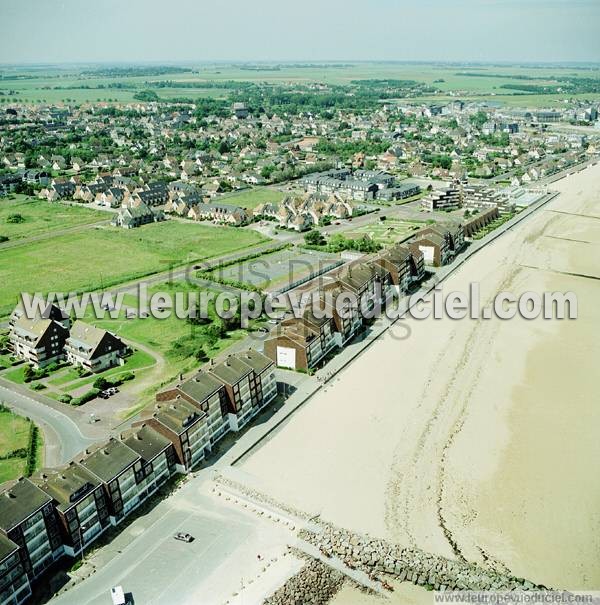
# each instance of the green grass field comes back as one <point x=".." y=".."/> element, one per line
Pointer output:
<point x="251" y="198"/>
<point x="104" y="256"/>
<point x="14" y="435"/>
<point x="161" y="334"/>
<point x="41" y="217"/>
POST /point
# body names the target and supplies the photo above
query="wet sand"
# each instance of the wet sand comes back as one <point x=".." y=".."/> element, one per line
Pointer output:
<point x="472" y="438"/>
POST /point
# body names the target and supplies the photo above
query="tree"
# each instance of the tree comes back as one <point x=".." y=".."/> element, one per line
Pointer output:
<point x="314" y="238"/>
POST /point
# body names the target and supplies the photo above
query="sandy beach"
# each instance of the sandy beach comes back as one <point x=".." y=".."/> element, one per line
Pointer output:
<point x="471" y="438"/>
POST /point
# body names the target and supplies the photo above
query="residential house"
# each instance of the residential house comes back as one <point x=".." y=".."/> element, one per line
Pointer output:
<point x="130" y="217"/>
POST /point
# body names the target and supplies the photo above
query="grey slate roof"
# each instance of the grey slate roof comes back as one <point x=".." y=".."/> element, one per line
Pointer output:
<point x="109" y="460"/>
<point x="18" y="500"/>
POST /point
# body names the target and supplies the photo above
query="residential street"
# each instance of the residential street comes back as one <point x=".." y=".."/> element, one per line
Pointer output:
<point x="63" y="436"/>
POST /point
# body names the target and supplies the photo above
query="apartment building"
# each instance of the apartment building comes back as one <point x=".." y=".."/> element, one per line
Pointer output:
<point x="119" y="469"/>
<point x="240" y="385"/>
<point x="434" y="248"/>
<point x="27" y="518"/>
<point x="14" y="582"/>
<point x="208" y="394"/>
<point x="397" y="261"/>
<point x="80" y="502"/>
<point x="186" y="427"/>
<point x="449" y="198"/>
<point x="264" y="372"/>
<point x="157" y="457"/>
<point x="363" y="282"/>
<point x="229" y="393"/>
<point x="295" y="345"/>
<point x="347" y="318"/>
<point x="39" y="342"/>
<point x="93" y="348"/>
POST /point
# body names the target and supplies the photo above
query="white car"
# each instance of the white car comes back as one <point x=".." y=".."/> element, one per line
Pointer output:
<point x="118" y="596"/>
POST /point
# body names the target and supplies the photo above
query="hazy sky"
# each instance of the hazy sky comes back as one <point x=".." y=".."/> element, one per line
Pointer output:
<point x="198" y="30"/>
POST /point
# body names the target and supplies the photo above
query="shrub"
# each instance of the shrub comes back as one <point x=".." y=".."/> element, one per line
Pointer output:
<point x="65" y="398"/>
<point x="91" y="394"/>
<point x="28" y="374"/>
<point x="32" y="447"/>
<point x="127" y="376"/>
<point x="38" y="386"/>
<point x="15" y="218"/>
<point x="100" y="383"/>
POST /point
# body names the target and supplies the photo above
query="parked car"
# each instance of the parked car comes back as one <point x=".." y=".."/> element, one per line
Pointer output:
<point x="112" y="390"/>
<point x="183" y="537"/>
<point x="103" y="395"/>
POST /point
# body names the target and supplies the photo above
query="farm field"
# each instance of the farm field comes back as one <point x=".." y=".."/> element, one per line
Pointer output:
<point x="275" y="271"/>
<point x="102" y="257"/>
<point x="387" y="232"/>
<point x="483" y="82"/>
<point x="39" y="217"/>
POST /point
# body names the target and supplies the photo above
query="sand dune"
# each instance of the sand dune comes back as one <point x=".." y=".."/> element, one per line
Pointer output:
<point x="475" y="439"/>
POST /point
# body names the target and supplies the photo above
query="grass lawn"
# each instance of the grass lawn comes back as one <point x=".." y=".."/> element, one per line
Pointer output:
<point x="5" y="361"/>
<point x="42" y="217"/>
<point x="14" y="432"/>
<point x="250" y="198"/>
<point x="107" y="255"/>
<point x="162" y="334"/>
<point x="16" y="375"/>
<point x="12" y="468"/>
<point x="139" y="359"/>
<point x="14" y="435"/>
<point x="64" y="376"/>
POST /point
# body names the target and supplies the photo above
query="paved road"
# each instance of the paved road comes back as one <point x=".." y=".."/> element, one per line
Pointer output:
<point x="62" y="437"/>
